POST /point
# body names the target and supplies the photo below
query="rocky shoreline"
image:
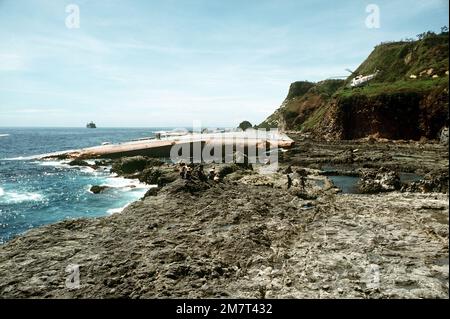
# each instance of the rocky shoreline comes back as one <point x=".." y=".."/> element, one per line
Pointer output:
<point x="251" y="236"/>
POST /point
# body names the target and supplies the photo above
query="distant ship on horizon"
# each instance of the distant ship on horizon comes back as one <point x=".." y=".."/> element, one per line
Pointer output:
<point x="91" y="125"/>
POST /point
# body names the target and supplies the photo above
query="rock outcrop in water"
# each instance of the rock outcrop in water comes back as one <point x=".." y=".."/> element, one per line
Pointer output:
<point x="158" y="175"/>
<point x="432" y="183"/>
<point x="131" y="165"/>
<point x="78" y="162"/>
<point x="382" y="180"/>
<point x="96" y="189"/>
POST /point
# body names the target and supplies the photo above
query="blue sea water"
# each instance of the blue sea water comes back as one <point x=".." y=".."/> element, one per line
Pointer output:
<point x="34" y="192"/>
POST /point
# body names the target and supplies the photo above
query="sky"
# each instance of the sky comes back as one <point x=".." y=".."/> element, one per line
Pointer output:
<point x="145" y="63"/>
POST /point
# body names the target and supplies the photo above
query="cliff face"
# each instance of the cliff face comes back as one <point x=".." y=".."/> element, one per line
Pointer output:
<point x="397" y="115"/>
<point x="302" y="101"/>
<point x="408" y="99"/>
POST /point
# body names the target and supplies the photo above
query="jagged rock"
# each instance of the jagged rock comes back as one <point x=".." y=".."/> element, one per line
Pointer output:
<point x="103" y="162"/>
<point x="96" y="189"/>
<point x="259" y="180"/>
<point x="158" y="176"/>
<point x="234" y="167"/>
<point x="235" y="239"/>
<point x="192" y="186"/>
<point x="154" y="162"/>
<point x="152" y="192"/>
<point x="238" y="175"/>
<point x="383" y="180"/>
<point x="79" y="162"/>
<point x="228" y="169"/>
<point x="134" y="167"/>
<point x="346" y="157"/>
<point x="129" y="165"/>
<point x="432" y="183"/>
<point x="302" y="194"/>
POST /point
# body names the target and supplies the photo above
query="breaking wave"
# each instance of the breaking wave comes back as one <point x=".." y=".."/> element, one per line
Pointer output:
<point x="116" y="210"/>
<point x="15" y="197"/>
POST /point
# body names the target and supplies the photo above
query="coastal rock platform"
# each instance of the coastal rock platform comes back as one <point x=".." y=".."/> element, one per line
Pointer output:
<point x="248" y="236"/>
<point x="236" y="240"/>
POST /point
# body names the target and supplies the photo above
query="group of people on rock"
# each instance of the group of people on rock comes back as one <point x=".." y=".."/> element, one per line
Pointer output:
<point x="186" y="172"/>
<point x="300" y="174"/>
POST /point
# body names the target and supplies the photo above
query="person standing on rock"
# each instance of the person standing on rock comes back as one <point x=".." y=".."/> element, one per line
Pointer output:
<point x="302" y="174"/>
<point x="188" y="173"/>
<point x="289" y="181"/>
<point x="212" y="173"/>
<point x="288" y="170"/>
<point x="201" y="175"/>
<point x="183" y="170"/>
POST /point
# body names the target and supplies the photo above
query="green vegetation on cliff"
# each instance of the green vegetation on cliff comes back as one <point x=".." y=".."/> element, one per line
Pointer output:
<point x="403" y="86"/>
<point x="303" y="99"/>
<point x="413" y="75"/>
<point x="299" y="88"/>
<point x="401" y="60"/>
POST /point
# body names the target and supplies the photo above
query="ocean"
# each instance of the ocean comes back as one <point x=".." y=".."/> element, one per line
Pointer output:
<point x="35" y="193"/>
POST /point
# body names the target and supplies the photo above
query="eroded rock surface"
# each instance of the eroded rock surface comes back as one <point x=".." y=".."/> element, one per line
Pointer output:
<point x="238" y="240"/>
<point x="376" y="181"/>
<point x="250" y="236"/>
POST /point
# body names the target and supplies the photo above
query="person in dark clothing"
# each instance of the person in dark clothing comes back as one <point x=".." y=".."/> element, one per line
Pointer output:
<point x="212" y="173"/>
<point x="183" y="170"/>
<point x="201" y="174"/>
<point x="289" y="182"/>
<point x="302" y="174"/>
<point x="189" y="173"/>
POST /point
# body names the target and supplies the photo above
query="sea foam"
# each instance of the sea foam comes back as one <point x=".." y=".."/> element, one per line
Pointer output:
<point x="120" y="182"/>
<point x="116" y="210"/>
<point x="15" y="197"/>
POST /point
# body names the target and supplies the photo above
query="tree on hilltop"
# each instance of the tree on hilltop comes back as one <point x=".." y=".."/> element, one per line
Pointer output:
<point x="245" y="125"/>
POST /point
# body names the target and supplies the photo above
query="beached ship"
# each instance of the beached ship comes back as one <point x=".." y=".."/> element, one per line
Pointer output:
<point x="91" y="125"/>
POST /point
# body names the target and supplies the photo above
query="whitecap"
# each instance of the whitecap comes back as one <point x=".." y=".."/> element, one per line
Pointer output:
<point x="52" y="163"/>
<point x="85" y="169"/>
<point x="124" y="183"/>
<point x="90" y="162"/>
<point x="20" y="158"/>
<point x="4" y="135"/>
<point x="39" y="156"/>
<point x="116" y="210"/>
<point x="14" y="197"/>
<point x="2" y="192"/>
